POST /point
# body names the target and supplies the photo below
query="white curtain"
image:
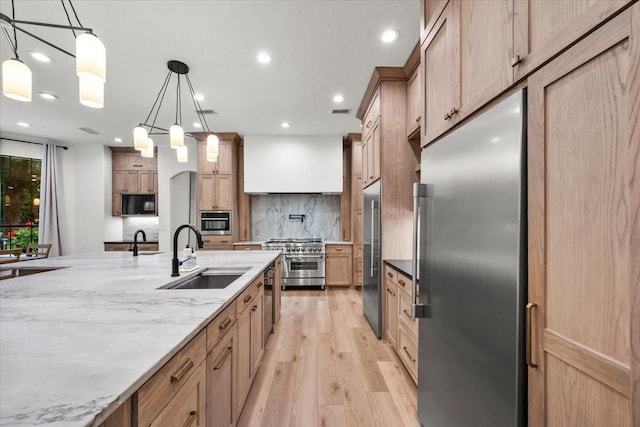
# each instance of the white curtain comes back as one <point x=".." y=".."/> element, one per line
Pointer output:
<point x="51" y="202"/>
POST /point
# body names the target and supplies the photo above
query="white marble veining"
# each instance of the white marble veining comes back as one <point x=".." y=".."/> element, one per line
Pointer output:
<point x="270" y="216"/>
<point x="77" y="342"/>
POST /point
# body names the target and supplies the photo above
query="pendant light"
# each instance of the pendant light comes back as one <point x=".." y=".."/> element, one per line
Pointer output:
<point x="148" y="152"/>
<point x="140" y="136"/>
<point x="16" y="80"/>
<point x="90" y="59"/>
<point x="176" y="132"/>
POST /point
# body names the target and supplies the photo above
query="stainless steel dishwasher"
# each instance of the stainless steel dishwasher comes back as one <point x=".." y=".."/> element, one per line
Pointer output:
<point x="269" y="276"/>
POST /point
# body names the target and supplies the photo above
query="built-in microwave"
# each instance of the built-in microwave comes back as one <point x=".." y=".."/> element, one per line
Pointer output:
<point x="138" y="204"/>
<point x="215" y="222"/>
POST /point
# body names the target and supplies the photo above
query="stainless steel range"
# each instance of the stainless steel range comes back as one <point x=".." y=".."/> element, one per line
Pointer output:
<point x="303" y="261"/>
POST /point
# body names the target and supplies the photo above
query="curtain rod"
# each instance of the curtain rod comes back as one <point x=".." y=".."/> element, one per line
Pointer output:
<point x="31" y="142"/>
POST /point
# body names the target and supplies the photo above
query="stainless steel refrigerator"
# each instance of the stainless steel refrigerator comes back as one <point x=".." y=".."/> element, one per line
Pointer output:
<point x="470" y="251"/>
<point x="371" y="286"/>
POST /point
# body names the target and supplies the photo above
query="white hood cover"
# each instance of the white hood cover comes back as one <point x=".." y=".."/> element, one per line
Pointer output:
<point x="293" y="164"/>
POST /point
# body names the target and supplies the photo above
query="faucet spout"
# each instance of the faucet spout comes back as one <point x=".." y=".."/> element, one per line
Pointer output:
<point x="135" y="241"/>
<point x="175" y="263"/>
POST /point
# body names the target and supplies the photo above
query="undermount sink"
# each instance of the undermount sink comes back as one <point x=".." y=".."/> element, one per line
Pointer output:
<point x="211" y="278"/>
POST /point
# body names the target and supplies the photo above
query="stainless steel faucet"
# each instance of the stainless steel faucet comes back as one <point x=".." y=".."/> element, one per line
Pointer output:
<point x="135" y="241"/>
<point x="175" y="263"/>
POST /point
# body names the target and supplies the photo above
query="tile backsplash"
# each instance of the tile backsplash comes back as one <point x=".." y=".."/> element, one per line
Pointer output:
<point x="131" y="224"/>
<point x="270" y="216"/>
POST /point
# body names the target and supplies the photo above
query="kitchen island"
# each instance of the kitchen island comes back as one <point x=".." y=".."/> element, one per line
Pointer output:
<point x="78" y="341"/>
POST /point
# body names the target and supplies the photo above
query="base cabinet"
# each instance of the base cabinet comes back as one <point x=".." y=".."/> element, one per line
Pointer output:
<point x="339" y="269"/>
<point x="221" y="382"/>
<point x="187" y="408"/>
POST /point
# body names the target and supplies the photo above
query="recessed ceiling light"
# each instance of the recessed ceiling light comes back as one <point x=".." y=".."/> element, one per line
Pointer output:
<point x="264" y="58"/>
<point x="24" y="124"/>
<point x="338" y="98"/>
<point x="117" y="139"/>
<point x="48" y="96"/>
<point x="39" y="56"/>
<point x="285" y="125"/>
<point x="390" y="36"/>
<point x="197" y="125"/>
<point x="199" y="97"/>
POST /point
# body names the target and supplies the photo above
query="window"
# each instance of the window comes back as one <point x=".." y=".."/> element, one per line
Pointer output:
<point x="20" y="201"/>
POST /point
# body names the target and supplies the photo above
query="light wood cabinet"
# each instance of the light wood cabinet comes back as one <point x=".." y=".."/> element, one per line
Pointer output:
<point x="142" y="246"/>
<point x="215" y="192"/>
<point x="132" y="174"/>
<point x="187" y="408"/>
<point x="339" y="270"/>
<point x="212" y="242"/>
<point x="247" y="247"/>
<point x="371" y="155"/>
<point x="345" y="197"/>
<point x="414" y="101"/>
<point x="164" y="389"/>
<point x="225" y="163"/>
<point x="257" y="331"/>
<point x="429" y="13"/>
<point x="583" y="231"/>
<point x="356" y="203"/>
<point x="221" y="379"/>
<point x="400" y="330"/>
<point x="244" y="201"/>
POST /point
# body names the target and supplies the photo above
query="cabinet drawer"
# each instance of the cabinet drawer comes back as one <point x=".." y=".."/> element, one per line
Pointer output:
<point x="408" y="352"/>
<point x="390" y="274"/>
<point x="371" y="116"/>
<point x="155" y="393"/>
<point x="338" y="249"/>
<point x="405" y="313"/>
<point x="187" y="408"/>
<point x="404" y="283"/>
<point x="217" y="240"/>
<point x="221" y="325"/>
<point x="245" y="298"/>
<point x="247" y="247"/>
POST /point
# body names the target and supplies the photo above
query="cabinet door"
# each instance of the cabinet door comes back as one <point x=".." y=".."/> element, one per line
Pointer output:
<point x="365" y="162"/>
<point x="204" y="166"/>
<point x="224" y="192"/>
<point x="206" y="192"/>
<point x="486" y="46"/>
<point x="338" y="268"/>
<point x="145" y="182"/>
<point x="374" y="152"/>
<point x="187" y="407"/>
<point x="221" y="382"/>
<point x="391" y="314"/>
<point x="543" y="28"/>
<point x="429" y="12"/>
<point x="116" y="208"/>
<point x="440" y="56"/>
<point x="257" y="332"/>
<point x="414" y="102"/>
<point x="119" y="182"/>
<point x="131" y="185"/>
<point x="244" y="358"/>
<point x="583" y="246"/>
<point x="224" y="165"/>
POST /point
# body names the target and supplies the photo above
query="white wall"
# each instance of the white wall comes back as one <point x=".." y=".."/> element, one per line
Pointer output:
<point x="293" y="164"/>
<point x="168" y="167"/>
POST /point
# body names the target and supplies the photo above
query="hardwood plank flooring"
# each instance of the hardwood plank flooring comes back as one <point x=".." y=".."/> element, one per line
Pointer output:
<point x="324" y="367"/>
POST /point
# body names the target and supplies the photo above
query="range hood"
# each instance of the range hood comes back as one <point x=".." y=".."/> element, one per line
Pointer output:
<point x="292" y="164"/>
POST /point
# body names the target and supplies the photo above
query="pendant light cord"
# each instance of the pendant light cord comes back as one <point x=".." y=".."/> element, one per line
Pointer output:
<point x="68" y="18"/>
<point x="15" y="33"/>
<point x="162" y="88"/>
<point x="196" y="104"/>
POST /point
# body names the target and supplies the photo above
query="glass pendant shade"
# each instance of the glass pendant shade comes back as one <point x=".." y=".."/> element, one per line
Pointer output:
<point x="91" y="93"/>
<point x="91" y="58"/>
<point x="140" y="137"/>
<point x="16" y="80"/>
<point x="212" y="144"/>
<point x="176" y="136"/>
<point x="148" y="152"/>
<point x="183" y="154"/>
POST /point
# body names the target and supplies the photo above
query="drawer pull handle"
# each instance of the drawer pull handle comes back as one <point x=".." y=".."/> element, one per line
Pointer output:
<point x="409" y="354"/>
<point x="453" y="112"/>
<point x="254" y="308"/>
<point x="182" y="371"/>
<point x="389" y="274"/>
<point x="224" y="324"/>
<point x="369" y="124"/>
<point x="529" y="335"/>
<point x="418" y="119"/>
<point x="447" y="116"/>
<point x="391" y="292"/>
<point x="193" y="415"/>
<point x="401" y="282"/>
<point x="516" y="60"/>
<point x="259" y="285"/>
<point x="247" y="299"/>
<point x="226" y="355"/>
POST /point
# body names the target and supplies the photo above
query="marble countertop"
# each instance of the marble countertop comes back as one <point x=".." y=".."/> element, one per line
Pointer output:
<point x="77" y="342"/>
<point x="253" y="242"/>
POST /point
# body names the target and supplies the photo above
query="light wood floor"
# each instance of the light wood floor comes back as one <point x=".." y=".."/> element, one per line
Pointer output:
<point x="325" y="367"/>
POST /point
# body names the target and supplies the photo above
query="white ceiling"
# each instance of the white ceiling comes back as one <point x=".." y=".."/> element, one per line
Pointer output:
<point x="319" y="48"/>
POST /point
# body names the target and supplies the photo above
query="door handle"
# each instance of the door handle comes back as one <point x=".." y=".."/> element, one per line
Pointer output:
<point x="418" y="310"/>
<point x="373" y="208"/>
<point x="529" y="326"/>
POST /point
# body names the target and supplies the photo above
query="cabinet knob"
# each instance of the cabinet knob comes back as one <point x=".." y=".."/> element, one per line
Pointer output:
<point x="418" y="119"/>
<point x="516" y="60"/>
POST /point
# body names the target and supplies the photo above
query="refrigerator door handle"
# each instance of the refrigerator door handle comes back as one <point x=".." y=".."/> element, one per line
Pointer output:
<point x="373" y="226"/>
<point x="418" y="310"/>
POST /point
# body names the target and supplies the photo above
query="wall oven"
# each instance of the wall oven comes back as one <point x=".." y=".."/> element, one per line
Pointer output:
<point x="215" y="222"/>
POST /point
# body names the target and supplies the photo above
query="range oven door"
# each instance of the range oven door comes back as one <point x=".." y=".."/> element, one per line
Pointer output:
<point x="303" y="270"/>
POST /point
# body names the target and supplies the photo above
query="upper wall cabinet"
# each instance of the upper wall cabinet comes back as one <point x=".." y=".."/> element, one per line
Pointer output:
<point x="475" y="50"/>
<point x="429" y="14"/>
